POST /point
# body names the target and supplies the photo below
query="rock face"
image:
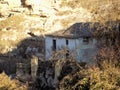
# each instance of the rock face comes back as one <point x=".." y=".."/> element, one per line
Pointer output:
<point x="19" y="18"/>
<point x="13" y="3"/>
<point x="32" y="19"/>
<point x="23" y="25"/>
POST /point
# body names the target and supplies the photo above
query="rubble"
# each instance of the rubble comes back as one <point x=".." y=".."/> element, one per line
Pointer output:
<point x="51" y="73"/>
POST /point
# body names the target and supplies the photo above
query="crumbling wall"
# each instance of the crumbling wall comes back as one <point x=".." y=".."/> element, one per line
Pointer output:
<point x="50" y="73"/>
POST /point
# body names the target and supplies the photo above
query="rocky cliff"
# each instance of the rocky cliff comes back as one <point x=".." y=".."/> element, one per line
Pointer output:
<point x="20" y="17"/>
<point x="39" y="17"/>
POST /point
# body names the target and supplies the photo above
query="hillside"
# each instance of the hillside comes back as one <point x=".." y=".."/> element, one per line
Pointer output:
<point x="21" y="18"/>
<point x="45" y="17"/>
<point x="48" y="16"/>
<point x="23" y="26"/>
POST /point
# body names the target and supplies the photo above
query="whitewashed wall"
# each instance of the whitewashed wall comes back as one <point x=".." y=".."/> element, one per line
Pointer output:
<point x="79" y="50"/>
<point x="60" y="43"/>
<point x="48" y="47"/>
<point x="86" y="52"/>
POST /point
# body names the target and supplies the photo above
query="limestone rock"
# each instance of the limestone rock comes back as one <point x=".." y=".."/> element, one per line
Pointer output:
<point x="13" y="3"/>
<point x="46" y="17"/>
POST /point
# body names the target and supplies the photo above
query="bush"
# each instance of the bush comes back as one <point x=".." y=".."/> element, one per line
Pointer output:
<point x="106" y="79"/>
<point x="7" y="84"/>
<point x="75" y="81"/>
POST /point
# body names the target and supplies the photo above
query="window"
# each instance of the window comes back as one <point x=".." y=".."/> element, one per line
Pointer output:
<point x="54" y="45"/>
<point x="67" y="42"/>
<point x="86" y="40"/>
<point x="67" y="51"/>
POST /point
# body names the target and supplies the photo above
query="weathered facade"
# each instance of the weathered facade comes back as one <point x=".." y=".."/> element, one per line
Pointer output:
<point x="78" y="39"/>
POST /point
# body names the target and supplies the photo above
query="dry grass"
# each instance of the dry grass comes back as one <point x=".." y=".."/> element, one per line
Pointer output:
<point x="72" y="3"/>
<point x="102" y="10"/>
<point x="106" y="79"/>
<point x="93" y="78"/>
<point x="67" y="12"/>
<point x="6" y="45"/>
<point x="7" y="84"/>
<point x="67" y="22"/>
<point x="13" y="21"/>
<point x="106" y="75"/>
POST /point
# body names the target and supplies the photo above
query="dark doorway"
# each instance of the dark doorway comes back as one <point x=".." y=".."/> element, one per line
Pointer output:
<point x="67" y="42"/>
<point x="67" y="51"/>
<point x="54" y="44"/>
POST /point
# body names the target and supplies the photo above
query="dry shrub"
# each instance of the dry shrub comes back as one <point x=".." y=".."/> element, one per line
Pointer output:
<point x="75" y="81"/>
<point x="106" y="79"/>
<point x="102" y="10"/>
<point x="66" y="72"/>
<point x="106" y="75"/>
<point x="13" y="21"/>
<point x="72" y="3"/>
<point x="110" y="55"/>
<point x="67" y="12"/>
<point x="72" y="74"/>
<point x="7" y="84"/>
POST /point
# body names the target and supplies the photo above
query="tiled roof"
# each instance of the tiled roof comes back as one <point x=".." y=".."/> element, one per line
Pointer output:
<point x="75" y="31"/>
<point x="81" y="29"/>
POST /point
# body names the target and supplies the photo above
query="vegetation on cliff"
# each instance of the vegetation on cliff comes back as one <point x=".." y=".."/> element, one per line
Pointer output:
<point x="104" y="75"/>
<point x="7" y="84"/>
